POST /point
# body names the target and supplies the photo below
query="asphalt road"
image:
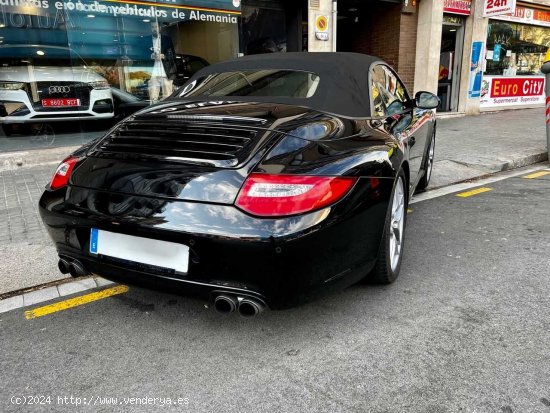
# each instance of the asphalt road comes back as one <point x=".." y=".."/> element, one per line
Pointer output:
<point x="466" y="328"/>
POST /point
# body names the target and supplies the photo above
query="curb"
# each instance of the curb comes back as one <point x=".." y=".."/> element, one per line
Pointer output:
<point x="49" y="291"/>
<point x="525" y="161"/>
<point x="522" y="162"/>
<point x="475" y="182"/>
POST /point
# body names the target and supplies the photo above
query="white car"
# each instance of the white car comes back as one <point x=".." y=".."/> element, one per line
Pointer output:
<point x="46" y="84"/>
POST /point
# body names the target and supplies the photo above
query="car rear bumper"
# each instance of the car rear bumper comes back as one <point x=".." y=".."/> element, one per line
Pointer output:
<point x="282" y="262"/>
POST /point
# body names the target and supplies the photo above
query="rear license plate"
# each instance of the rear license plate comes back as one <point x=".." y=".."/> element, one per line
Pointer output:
<point x="142" y="250"/>
<point x="61" y="103"/>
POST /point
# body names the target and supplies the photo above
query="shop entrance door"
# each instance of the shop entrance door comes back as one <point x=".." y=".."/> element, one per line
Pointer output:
<point x="452" y="40"/>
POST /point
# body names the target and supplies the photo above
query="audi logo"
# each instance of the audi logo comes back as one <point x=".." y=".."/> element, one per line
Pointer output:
<point x="59" y="89"/>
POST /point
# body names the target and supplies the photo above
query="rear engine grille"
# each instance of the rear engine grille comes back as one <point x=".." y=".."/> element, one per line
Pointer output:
<point x="225" y="145"/>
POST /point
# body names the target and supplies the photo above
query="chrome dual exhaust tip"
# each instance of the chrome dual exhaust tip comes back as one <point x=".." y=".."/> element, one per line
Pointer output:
<point x="225" y="304"/>
<point x="249" y="307"/>
<point x="246" y="306"/>
<point x="73" y="267"/>
<point x="63" y="266"/>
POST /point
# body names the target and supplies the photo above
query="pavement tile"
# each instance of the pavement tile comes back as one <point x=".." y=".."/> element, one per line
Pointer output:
<point x="76" y="286"/>
<point x="40" y="296"/>
<point x="11" y="303"/>
<point x="101" y="282"/>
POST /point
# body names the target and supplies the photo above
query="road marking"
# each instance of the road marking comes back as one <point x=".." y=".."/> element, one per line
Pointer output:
<point x="409" y="211"/>
<point x="474" y="192"/>
<point x="451" y="189"/>
<point x="75" y="302"/>
<point x="536" y="175"/>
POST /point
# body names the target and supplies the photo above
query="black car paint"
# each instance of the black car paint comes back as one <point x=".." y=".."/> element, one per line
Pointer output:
<point x="282" y="261"/>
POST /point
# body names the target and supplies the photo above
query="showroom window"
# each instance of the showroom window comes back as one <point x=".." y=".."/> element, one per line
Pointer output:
<point x="73" y="66"/>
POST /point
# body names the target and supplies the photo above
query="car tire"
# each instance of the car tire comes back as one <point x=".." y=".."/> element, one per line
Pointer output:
<point x="390" y="255"/>
<point x="428" y="164"/>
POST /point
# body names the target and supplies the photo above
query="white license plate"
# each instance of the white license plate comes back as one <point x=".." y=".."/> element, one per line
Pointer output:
<point x="143" y="250"/>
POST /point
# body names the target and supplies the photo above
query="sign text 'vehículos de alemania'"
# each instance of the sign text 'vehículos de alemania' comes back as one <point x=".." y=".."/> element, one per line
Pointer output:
<point x="220" y="11"/>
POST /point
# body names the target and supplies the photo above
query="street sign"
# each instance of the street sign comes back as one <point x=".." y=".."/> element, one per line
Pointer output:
<point x="321" y="27"/>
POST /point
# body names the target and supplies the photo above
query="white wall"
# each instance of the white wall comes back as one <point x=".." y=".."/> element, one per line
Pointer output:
<point x="428" y="45"/>
<point x="323" y="7"/>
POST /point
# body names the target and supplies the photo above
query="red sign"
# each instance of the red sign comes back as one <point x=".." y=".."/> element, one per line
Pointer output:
<point x="541" y="16"/>
<point x="516" y="86"/>
<point x="49" y="103"/>
<point x="457" y="7"/>
<point x="527" y="15"/>
<point x="498" y="91"/>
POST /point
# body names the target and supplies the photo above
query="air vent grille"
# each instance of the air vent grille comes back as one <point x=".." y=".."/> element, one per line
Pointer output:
<point x="223" y="145"/>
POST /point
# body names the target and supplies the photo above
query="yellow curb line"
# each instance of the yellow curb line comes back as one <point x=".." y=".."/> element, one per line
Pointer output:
<point x="473" y="192"/>
<point x="75" y="302"/>
<point x="536" y="175"/>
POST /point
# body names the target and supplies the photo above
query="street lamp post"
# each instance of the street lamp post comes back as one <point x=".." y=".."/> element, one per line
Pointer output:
<point x="546" y="70"/>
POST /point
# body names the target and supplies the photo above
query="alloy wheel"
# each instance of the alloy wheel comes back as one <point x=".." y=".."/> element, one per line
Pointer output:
<point x="397" y="223"/>
<point x="430" y="160"/>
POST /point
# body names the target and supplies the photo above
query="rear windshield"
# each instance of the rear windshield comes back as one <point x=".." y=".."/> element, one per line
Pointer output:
<point x="265" y="83"/>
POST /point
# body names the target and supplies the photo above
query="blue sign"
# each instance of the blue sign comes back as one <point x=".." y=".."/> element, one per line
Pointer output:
<point x="496" y="52"/>
<point x="476" y="70"/>
<point x="94" y="235"/>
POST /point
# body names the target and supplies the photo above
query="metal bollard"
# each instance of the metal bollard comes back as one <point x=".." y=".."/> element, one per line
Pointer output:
<point x="546" y="70"/>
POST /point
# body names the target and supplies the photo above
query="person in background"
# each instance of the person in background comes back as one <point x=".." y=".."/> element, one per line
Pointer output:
<point x="164" y="63"/>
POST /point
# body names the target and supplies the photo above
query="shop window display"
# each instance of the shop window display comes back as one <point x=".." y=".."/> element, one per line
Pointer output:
<point x="515" y="49"/>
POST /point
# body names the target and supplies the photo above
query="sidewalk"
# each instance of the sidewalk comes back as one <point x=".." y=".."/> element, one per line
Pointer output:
<point x="471" y="146"/>
<point x="466" y="147"/>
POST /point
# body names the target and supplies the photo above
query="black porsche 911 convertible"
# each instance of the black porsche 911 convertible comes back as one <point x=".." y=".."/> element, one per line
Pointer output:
<point x="265" y="181"/>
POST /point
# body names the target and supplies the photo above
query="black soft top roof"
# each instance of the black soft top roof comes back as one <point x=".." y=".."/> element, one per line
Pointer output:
<point x="343" y="79"/>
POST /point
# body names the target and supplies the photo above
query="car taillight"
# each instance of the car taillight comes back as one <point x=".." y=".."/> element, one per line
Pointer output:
<point x="63" y="173"/>
<point x="280" y="195"/>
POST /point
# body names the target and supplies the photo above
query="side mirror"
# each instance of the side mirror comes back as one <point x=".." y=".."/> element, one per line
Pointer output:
<point x="426" y="100"/>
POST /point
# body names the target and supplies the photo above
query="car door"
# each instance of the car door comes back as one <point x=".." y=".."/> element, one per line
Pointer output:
<point x="420" y="130"/>
<point x="392" y="102"/>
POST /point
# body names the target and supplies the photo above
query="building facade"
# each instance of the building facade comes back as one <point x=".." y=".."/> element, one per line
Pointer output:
<point x="478" y="62"/>
<point x="147" y="48"/>
<point x="118" y="38"/>
<point x="475" y="58"/>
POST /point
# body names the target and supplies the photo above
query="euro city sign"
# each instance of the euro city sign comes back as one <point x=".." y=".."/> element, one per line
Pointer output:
<point x="499" y="91"/>
<point x="221" y="11"/>
<point x="498" y="7"/>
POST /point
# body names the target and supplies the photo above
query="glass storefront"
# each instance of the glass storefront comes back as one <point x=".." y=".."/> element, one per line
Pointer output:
<point x="69" y="69"/>
<point x="517" y="49"/>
